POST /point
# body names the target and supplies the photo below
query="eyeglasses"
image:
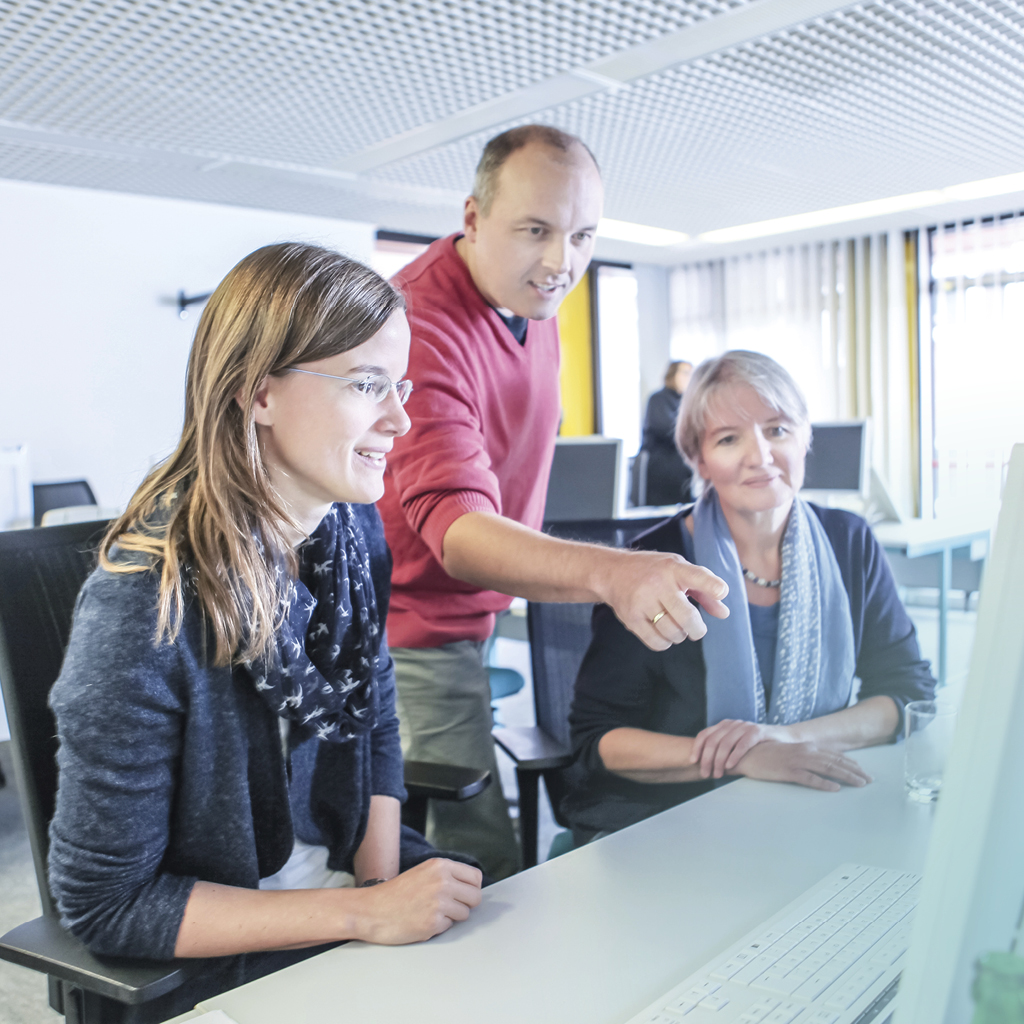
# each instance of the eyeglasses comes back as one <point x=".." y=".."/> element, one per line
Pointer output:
<point x="376" y="386"/>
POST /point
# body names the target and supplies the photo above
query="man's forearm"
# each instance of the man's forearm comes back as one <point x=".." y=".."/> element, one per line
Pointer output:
<point x="649" y="591"/>
<point x="496" y="553"/>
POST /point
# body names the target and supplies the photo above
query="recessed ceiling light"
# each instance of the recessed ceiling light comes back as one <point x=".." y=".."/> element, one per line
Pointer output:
<point x="1002" y="185"/>
<point x="642" y="234"/>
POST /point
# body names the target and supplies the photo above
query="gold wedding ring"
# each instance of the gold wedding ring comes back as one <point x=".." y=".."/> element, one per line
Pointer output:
<point x="657" y="618"/>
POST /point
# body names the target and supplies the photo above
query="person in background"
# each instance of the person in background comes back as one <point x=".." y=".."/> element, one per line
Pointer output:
<point x="769" y="691"/>
<point x="466" y="486"/>
<point x="229" y="766"/>
<point x="668" y="476"/>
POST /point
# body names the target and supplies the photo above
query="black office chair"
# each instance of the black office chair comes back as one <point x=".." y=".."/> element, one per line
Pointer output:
<point x="559" y="637"/>
<point x="60" y="495"/>
<point x="41" y="572"/>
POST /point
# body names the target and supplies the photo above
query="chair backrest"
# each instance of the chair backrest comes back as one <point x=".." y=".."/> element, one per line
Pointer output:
<point x="41" y="572"/>
<point x="559" y="637"/>
<point x="59" y="495"/>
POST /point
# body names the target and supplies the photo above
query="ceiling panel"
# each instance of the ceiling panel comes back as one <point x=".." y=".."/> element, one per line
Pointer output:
<point x="881" y="100"/>
<point x="253" y="102"/>
<point x="289" y="80"/>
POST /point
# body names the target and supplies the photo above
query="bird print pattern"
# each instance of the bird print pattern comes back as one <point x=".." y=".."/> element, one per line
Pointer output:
<point x="321" y="674"/>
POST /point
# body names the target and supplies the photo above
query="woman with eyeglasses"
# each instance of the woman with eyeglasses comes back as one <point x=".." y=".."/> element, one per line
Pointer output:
<point x="230" y="769"/>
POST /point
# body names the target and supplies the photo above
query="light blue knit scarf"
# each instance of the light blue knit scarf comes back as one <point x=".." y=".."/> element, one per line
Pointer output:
<point x="814" y="655"/>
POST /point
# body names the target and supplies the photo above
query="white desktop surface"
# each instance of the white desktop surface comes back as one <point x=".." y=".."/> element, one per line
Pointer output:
<point x="919" y="537"/>
<point x="597" y="934"/>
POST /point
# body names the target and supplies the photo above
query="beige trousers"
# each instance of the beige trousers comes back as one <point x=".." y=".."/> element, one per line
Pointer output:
<point x="444" y="707"/>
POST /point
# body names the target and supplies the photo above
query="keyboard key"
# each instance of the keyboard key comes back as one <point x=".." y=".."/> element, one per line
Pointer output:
<point x="757" y="1013"/>
<point x="784" y="1014"/>
<point x="725" y="971"/>
<point x="698" y="992"/>
<point x="714" y="1002"/>
<point x="775" y="981"/>
<point x="789" y="963"/>
<point x="850" y="991"/>
<point x="682" y="1005"/>
<point x="821" y="1017"/>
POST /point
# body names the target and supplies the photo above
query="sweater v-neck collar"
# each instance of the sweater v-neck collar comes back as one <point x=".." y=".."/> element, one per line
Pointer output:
<point x="512" y="342"/>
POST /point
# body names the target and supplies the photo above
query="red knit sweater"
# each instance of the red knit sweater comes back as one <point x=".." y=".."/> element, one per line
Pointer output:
<point x="484" y="412"/>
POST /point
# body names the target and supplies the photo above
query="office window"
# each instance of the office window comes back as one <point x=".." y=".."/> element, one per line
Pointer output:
<point x="394" y="250"/>
<point x="790" y="303"/>
<point x="977" y="345"/>
<point x="619" y="355"/>
<point x="835" y="314"/>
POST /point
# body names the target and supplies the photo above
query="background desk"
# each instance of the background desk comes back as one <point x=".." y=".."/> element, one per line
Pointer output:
<point x="597" y="934"/>
<point x="937" y="540"/>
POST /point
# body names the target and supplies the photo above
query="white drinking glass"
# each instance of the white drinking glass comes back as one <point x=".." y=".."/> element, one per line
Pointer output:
<point x="928" y="728"/>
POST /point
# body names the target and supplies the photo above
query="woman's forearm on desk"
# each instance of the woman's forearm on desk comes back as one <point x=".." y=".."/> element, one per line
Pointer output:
<point x="866" y="724"/>
<point x="644" y="756"/>
<point x="378" y="853"/>
<point x="221" y="920"/>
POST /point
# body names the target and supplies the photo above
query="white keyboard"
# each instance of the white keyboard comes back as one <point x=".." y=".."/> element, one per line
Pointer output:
<point x="833" y="956"/>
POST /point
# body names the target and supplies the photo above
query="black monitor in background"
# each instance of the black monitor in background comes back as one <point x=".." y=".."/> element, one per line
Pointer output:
<point x="584" y="480"/>
<point x="838" y="460"/>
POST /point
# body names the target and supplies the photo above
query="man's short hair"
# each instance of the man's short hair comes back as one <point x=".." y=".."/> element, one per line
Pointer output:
<point x="501" y="147"/>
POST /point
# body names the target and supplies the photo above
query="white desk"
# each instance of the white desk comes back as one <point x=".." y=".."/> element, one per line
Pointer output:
<point x="597" y="934"/>
<point x="920" y="538"/>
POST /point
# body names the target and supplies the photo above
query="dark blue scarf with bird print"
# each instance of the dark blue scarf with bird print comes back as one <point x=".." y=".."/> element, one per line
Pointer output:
<point x="321" y="674"/>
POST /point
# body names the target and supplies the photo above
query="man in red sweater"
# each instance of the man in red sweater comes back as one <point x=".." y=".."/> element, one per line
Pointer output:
<point x="465" y="487"/>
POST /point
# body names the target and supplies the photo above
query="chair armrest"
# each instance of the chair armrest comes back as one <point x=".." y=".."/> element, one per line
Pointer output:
<point x="44" y="945"/>
<point x="424" y="779"/>
<point x="532" y="748"/>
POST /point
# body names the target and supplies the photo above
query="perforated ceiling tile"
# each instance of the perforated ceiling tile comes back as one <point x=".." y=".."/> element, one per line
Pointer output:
<point x="295" y="79"/>
<point x="59" y="167"/>
<point x="884" y="99"/>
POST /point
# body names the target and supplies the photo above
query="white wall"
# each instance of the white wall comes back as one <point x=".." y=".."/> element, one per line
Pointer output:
<point x="92" y="351"/>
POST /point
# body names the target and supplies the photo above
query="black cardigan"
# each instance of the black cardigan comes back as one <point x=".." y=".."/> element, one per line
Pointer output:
<point x="623" y="683"/>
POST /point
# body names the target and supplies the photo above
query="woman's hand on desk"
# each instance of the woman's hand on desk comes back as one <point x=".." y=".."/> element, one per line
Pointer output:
<point x="720" y="747"/>
<point x="801" y="763"/>
<point x="419" y="903"/>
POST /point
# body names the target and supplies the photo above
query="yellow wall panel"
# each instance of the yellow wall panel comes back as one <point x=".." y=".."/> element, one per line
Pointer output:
<point x="576" y="376"/>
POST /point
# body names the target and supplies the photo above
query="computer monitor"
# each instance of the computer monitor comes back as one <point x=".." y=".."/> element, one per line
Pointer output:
<point x="973" y="888"/>
<point x="586" y="478"/>
<point x="839" y="460"/>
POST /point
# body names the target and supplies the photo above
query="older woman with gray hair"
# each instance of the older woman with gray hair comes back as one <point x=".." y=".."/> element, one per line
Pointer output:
<point x="770" y="691"/>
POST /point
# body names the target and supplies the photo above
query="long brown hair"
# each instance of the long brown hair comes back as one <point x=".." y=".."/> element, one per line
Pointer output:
<point x="208" y="517"/>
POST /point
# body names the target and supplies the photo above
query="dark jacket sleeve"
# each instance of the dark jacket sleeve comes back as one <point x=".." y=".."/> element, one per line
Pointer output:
<point x="889" y="661"/>
<point x="614" y="687"/>
<point x="119" y="717"/>
<point x="385" y="745"/>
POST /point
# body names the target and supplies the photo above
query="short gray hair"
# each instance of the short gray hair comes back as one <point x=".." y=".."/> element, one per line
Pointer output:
<point x="771" y="382"/>
<point x="501" y="147"/>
